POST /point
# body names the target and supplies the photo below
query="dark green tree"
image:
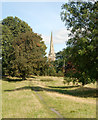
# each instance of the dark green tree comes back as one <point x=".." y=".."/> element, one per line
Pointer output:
<point x="62" y="58"/>
<point x="11" y="28"/>
<point x="51" y="68"/>
<point x="7" y="49"/>
<point x="23" y="51"/>
<point x="29" y="53"/>
<point x="81" y="19"/>
<point x="16" y="25"/>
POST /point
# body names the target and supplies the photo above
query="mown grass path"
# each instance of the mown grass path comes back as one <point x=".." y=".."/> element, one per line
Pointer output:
<point x="47" y="97"/>
<point x="52" y="109"/>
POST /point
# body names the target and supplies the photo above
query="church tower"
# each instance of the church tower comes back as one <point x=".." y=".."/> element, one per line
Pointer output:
<point x="51" y="55"/>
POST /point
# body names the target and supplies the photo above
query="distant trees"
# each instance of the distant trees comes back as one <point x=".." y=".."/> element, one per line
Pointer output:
<point x="23" y="51"/>
<point x="60" y="62"/>
<point x="81" y="19"/>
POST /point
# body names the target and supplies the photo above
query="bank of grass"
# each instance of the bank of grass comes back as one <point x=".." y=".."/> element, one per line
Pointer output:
<point x="20" y="99"/>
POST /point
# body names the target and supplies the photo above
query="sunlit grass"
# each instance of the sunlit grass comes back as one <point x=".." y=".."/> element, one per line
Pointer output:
<point x="20" y="98"/>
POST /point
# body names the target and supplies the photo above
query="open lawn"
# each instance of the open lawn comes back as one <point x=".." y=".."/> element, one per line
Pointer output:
<point x="47" y="97"/>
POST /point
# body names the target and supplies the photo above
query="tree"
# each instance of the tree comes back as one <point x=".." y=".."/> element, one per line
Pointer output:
<point x="23" y="50"/>
<point x="62" y="57"/>
<point x="29" y="53"/>
<point x="51" y="68"/>
<point x="7" y="49"/>
<point x="80" y="18"/>
<point x="16" y="25"/>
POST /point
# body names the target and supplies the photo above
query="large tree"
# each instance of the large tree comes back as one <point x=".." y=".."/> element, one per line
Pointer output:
<point x="29" y="54"/>
<point x="81" y="19"/>
<point x="23" y="51"/>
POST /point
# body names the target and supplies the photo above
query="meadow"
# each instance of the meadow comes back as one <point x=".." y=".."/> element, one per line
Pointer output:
<point x="47" y="97"/>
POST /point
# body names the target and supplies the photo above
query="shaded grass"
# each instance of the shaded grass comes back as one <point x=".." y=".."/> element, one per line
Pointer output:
<point x="78" y="92"/>
<point x="12" y="79"/>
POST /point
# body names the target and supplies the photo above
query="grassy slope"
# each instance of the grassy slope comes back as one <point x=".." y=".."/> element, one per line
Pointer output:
<point x="20" y="99"/>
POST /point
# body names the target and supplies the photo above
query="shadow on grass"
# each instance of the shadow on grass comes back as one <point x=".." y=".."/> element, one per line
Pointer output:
<point x="27" y="88"/>
<point x="31" y="76"/>
<point x="13" y="80"/>
<point x="62" y="87"/>
<point x="79" y="92"/>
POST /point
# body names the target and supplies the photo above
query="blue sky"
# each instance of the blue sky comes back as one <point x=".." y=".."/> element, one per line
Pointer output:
<point x="43" y="17"/>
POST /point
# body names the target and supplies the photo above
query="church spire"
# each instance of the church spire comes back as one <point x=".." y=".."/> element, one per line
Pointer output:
<point x="51" y="55"/>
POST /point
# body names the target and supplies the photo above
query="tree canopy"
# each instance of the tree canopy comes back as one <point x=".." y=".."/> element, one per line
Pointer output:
<point x="81" y="19"/>
<point x="23" y="51"/>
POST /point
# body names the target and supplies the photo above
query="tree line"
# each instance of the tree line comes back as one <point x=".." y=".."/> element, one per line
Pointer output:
<point x="23" y="51"/>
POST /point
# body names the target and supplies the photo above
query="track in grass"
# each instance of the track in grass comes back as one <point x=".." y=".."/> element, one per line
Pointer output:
<point x="47" y="97"/>
<point x="52" y="109"/>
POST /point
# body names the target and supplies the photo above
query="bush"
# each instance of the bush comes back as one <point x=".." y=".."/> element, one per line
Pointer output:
<point x="68" y="80"/>
<point x="60" y="74"/>
<point x="52" y="71"/>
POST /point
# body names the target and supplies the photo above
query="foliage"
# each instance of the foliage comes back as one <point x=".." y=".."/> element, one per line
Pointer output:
<point x="80" y="18"/>
<point x="51" y="69"/>
<point x="68" y="80"/>
<point x="7" y="49"/>
<point x="60" y="74"/>
<point x="23" y="51"/>
<point x="16" y="25"/>
<point x="29" y="53"/>
<point x="62" y="58"/>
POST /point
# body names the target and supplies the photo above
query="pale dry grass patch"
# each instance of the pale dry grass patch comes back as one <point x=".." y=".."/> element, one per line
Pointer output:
<point x="50" y="77"/>
<point x="76" y="99"/>
<point x="92" y="85"/>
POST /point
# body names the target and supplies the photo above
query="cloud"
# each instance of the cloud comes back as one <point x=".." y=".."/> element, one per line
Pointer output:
<point x="59" y="36"/>
<point x="46" y="39"/>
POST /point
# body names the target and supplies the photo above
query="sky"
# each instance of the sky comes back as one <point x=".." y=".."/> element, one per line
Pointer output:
<point x="43" y="18"/>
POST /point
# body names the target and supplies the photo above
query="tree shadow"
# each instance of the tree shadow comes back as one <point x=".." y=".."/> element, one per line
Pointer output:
<point x="36" y="88"/>
<point x="84" y="92"/>
<point x="12" y="79"/>
<point x="62" y="87"/>
<point x="79" y="92"/>
<point x="31" y="76"/>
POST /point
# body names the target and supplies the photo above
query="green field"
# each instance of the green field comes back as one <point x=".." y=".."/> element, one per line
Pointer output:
<point x="47" y="97"/>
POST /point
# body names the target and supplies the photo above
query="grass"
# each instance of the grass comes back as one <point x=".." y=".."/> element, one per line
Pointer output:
<point x="34" y="98"/>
